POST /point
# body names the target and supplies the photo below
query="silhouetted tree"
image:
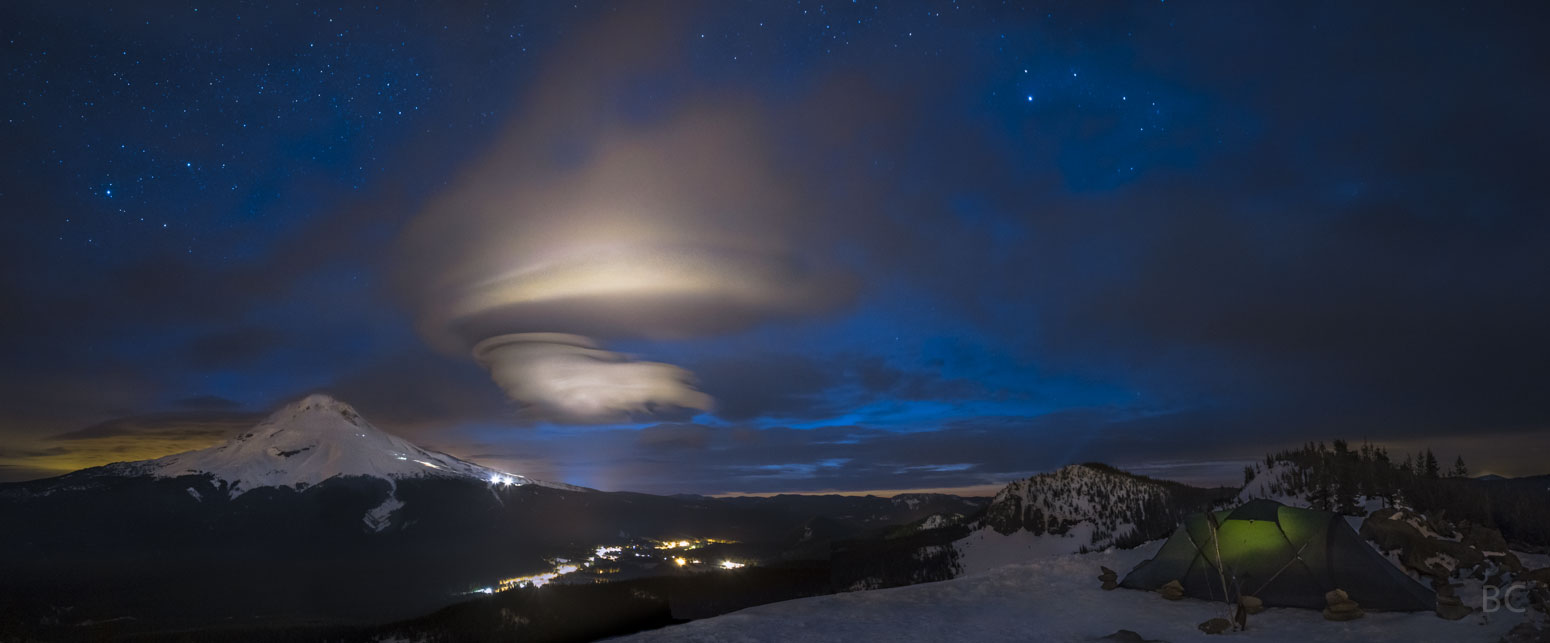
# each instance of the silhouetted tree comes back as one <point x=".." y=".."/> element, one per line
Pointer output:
<point x="1385" y="478"/>
<point x="1459" y="471"/>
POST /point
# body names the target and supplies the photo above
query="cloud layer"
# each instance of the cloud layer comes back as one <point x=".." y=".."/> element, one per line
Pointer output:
<point x="586" y="222"/>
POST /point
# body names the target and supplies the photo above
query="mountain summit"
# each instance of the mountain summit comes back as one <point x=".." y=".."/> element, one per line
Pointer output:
<point x="312" y="440"/>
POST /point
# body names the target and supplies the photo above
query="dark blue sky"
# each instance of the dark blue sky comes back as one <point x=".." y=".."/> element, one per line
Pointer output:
<point x="965" y="241"/>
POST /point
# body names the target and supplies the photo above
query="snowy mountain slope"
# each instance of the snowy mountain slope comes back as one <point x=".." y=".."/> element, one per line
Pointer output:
<point x="1275" y="483"/>
<point x="1076" y="508"/>
<point x="1048" y="599"/>
<point x="1084" y="507"/>
<point x="1111" y="501"/>
<point x="312" y="440"/>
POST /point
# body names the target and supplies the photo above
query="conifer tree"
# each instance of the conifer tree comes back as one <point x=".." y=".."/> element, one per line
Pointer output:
<point x="1384" y="475"/>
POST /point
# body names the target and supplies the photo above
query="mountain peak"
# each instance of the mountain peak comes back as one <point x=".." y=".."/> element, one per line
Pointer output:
<point x="317" y="402"/>
<point x="318" y="415"/>
<point x="311" y="440"/>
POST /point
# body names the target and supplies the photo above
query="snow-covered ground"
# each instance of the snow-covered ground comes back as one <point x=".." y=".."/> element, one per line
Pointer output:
<point x="984" y="549"/>
<point x="1055" y="598"/>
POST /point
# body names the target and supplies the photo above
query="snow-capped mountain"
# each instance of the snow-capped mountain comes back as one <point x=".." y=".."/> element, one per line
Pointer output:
<point x="314" y="513"/>
<point x="312" y="440"/>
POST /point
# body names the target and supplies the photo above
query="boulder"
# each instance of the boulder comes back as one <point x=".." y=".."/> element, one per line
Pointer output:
<point x="1465" y="555"/>
<point x="1424" y="555"/>
<point x="1484" y="539"/>
<point x="1437" y="521"/>
<point x="1451" y="608"/>
<point x="1388" y="533"/>
<point x="1508" y="561"/>
<point x="1251" y="604"/>
<point x="1172" y="591"/>
<point x="1539" y="596"/>
<point x="1341" y="607"/>
<point x="1215" y="626"/>
<point x="1542" y="575"/>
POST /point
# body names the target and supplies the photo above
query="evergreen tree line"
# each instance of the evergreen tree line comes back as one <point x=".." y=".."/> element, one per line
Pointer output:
<point x="1334" y="477"/>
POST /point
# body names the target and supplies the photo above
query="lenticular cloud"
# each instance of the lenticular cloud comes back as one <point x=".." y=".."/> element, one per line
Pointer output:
<point x="569" y="377"/>
<point x="584" y="226"/>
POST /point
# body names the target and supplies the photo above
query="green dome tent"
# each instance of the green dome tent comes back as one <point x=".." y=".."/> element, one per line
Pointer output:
<point x="1285" y="556"/>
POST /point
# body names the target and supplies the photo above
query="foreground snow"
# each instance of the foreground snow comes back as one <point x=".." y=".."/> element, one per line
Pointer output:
<point x="984" y="550"/>
<point x="1050" y="599"/>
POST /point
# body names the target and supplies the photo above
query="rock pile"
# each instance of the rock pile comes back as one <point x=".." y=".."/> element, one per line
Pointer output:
<point x="1172" y="591"/>
<point x="1341" y="607"/>
<point x="1448" y="604"/>
<point x="1108" y="577"/>
<point x="1216" y="626"/>
<point x="1430" y="546"/>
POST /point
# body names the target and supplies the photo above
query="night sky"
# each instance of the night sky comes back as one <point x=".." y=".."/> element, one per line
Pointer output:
<point x="758" y="247"/>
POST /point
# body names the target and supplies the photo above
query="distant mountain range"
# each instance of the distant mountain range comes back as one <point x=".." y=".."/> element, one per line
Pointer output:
<point x="316" y="519"/>
<point x="315" y="515"/>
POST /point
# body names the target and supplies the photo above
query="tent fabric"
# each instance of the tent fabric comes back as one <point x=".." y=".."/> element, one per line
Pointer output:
<point x="1285" y="556"/>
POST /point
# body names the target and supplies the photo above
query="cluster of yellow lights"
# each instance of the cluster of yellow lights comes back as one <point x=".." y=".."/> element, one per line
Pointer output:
<point x="691" y="544"/>
<point x="563" y="566"/>
<point x="536" y="580"/>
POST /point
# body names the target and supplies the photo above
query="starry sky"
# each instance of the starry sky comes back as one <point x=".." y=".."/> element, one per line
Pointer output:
<point x="734" y="247"/>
